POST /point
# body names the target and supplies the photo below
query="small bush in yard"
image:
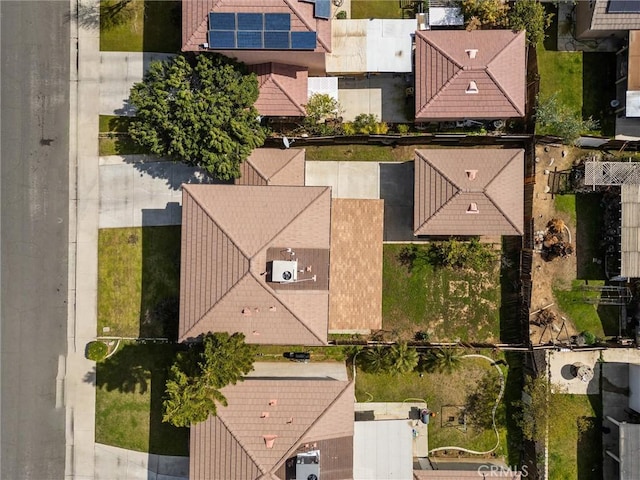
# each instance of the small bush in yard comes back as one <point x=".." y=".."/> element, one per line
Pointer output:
<point x="96" y="351"/>
<point x="341" y="15"/>
<point x="403" y="128"/>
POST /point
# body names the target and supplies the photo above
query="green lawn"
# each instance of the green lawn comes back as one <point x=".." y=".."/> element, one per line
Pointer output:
<point x="575" y="439"/>
<point x="566" y="204"/>
<point x="130" y="386"/>
<point x="561" y="73"/>
<point x="353" y="152"/>
<point x="376" y="9"/>
<point x="438" y="390"/>
<point x="138" y="281"/>
<point x="114" y="124"/>
<point x="114" y="138"/>
<point x="273" y="353"/>
<point x="141" y="26"/>
<point x="602" y="321"/>
<point x="448" y="304"/>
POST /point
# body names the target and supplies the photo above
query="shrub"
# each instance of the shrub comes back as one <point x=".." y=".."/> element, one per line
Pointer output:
<point x="348" y="128"/>
<point x="96" y="351"/>
<point x="365" y="123"/>
<point x="341" y="15"/>
<point x="589" y="338"/>
<point x="381" y="128"/>
<point x="403" y="128"/>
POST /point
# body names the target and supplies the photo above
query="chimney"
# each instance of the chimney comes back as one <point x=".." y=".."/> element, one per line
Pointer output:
<point x="471" y="52"/>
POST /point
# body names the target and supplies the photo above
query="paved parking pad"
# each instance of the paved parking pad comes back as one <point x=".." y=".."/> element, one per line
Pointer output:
<point x="346" y="179"/>
<point x="136" y="191"/>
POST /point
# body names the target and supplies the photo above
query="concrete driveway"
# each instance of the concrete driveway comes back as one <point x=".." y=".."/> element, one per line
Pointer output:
<point x="113" y="462"/>
<point x="118" y="72"/>
<point x="138" y="190"/>
<point x="347" y="179"/>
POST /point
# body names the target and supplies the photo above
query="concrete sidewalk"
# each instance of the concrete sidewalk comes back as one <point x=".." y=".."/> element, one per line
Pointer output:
<point x="113" y="462"/>
<point x="118" y="72"/>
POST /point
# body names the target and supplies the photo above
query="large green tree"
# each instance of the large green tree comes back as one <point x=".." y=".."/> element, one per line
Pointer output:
<point x="198" y="110"/>
<point x="198" y="374"/>
<point x="529" y="15"/>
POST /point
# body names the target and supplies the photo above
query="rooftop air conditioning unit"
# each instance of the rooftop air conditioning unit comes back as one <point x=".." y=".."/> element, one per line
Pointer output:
<point x="308" y="465"/>
<point x="284" y="271"/>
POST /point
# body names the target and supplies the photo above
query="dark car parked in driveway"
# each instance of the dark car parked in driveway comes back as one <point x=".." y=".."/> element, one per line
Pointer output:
<point x="297" y="356"/>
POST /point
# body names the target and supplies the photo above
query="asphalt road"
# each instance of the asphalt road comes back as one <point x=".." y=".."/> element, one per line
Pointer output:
<point x="34" y="195"/>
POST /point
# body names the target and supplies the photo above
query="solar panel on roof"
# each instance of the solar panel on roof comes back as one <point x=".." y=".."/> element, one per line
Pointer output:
<point x="222" y="21"/>
<point x="277" y="40"/>
<point x="250" y="21"/>
<point x="277" y="21"/>
<point x="222" y="39"/>
<point x="303" y="40"/>
<point x="624" y="6"/>
<point x="249" y="40"/>
<point x="322" y="9"/>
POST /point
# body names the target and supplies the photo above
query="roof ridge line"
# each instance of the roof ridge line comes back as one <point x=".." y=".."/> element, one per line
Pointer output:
<point x="442" y="52"/>
<point x="515" y="227"/>
<point x="437" y="94"/>
<point x="303" y="19"/>
<point x="220" y="299"/>
<point x="298" y="107"/>
<point x="286" y="307"/>
<point x="488" y="70"/>
<point x="216" y="223"/>
<point x="299" y="151"/>
<point x="324" y="189"/>
<point x="244" y="448"/>
<point x="507" y="163"/>
<point x="322" y="415"/>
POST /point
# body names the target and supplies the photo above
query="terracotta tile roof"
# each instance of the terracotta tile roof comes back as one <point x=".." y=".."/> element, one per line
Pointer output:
<point x="603" y="20"/>
<point x="445" y="72"/>
<point x="469" y="192"/>
<point x="226" y="232"/>
<point x="290" y="412"/>
<point x="355" y="302"/>
<point x="283" y="89"/>
<point x="195" y="21"/>
<point x="273" y="166"/>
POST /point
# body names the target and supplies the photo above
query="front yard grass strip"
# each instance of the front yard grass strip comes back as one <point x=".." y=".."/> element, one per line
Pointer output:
<point x="138" y="281"/>
<point x="146" y="26"/>
<point x="273" y="353"/>
<point x="450" y="305"/>
<point x="129" y="391"/>
<point x="114" y="124"/>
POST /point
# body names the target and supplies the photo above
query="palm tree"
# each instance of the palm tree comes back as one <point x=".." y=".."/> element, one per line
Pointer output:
<point x="375" y="360"/>
<point x="442" y="360"/>
<point x="402" y="358"/>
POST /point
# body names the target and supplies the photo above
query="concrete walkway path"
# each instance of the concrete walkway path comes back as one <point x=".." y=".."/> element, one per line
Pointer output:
<point x="118" y="72"/>
<point x="142" y="190"/>
<point x="347" y="179"/>
<point x="113" y="462"/>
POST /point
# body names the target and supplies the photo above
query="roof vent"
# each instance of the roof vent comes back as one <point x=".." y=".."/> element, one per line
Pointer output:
<point x="471" y="52"/>
<point x="472" y="88"/>
<point x="264" y="415"/>
<point x="473" y="208"/>
<point x="269" y="440"/>
<point x="471" y="174"/>
<point x="246" y="312"/>
<point x="273" y="402"/>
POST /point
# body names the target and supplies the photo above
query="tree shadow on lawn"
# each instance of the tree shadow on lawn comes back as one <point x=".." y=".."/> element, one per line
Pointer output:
<point x="511" y="330"/>
<point x="162" y="26"/>
<point x="139" y="369"/>
<point x="159" y="302"/>
<point x="589" y="225"/>
<point x="512" y="394"/>
<point x="599" y="88"/>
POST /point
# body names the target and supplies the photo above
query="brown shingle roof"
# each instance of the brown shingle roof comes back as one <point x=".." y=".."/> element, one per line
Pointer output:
<point x="355" y="302"/>
<point x="603" y="20"/>
<point x="283" y="89"/>
<point x="469" y="192"/>
<point x="471" y="474"/>
<point x="195" y="22"/>
<point x="273" y="166"/>
<point x="445" y="71"/>
<point x="232" y="445"/>
<point x="226" y="232"/>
